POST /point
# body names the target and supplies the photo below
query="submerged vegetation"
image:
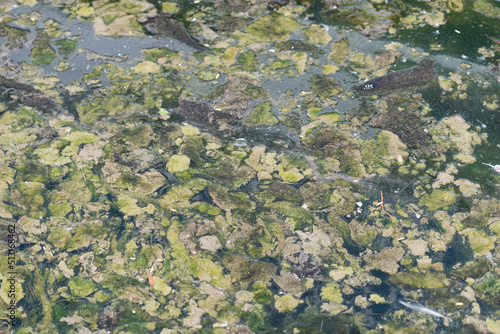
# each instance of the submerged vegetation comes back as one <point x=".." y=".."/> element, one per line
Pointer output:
<point x="233" y="180"/>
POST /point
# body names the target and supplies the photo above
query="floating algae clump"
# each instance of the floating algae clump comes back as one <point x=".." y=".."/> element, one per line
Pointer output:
<point x="382" y="152"/>
<point x="29" y="196"/>
<point x="273" y="27"/>
<point x="298" y="217"/>
<point x="316" y="195"/>
<point x="402" y="115"/>
<point x="362" y="234"/>
<point x="147" y="67"/>
<point x="438" y="199"/>
<point x="473" y="269"/>
<point x="454" y="133"/>
<point x="481" y="242"/>
<point x="81" y="287"/>
<point x="205" y="191"/>
<point x="331" y="292"/>
<point x="375" y="20"/>
<point x="59" y="238"/>
<point x="340" y="51"/>
<point x="428" y="280"/>
<point x="286" y="303"/>
<point x="248" y="271"/>
<point x="42" y="53"/>
<point x="178" y="163"/>
<point x="6" y="289"/>
<point x="261" y="115"/>
<point x="488" y="288"/>
<point x="484" y="212"/>
<point x="325" y="86"/>
<point x="386" y="260"/>
<point x="336" y="142"/>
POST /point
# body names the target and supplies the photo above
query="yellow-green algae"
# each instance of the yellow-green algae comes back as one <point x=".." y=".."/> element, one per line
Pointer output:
<point x="178" y="163"/>
<point x="261" y="115"/>
<point x="42" y="52"/>
<point x="273" y="27"/>
<point x="438" y="199"/>
<point x="286" y="303"/>
<point x="176" y="225"/>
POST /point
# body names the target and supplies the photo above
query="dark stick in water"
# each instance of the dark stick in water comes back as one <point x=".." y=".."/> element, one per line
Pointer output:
<point x="413" y="76"/>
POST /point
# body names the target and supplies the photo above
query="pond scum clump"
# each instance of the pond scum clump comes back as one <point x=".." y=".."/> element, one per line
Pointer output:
<point x="229" y="178"/>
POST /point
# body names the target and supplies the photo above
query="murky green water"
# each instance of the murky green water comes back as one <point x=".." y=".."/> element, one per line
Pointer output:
<point x="208" y="167"/>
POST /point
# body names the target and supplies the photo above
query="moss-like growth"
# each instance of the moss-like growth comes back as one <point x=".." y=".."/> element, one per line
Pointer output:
<point x="102" y="297"/>
<point x="486" y="8"/>
<point x="21" y="137"/>
<point x="59" y="238"/>
<point x="488" y="288"/>
<point x="385" y="151"/>
<point x="46" y="324"/>
<point x="179" y="251"/>
<point x="193" y="147"/>
<point x="317" y="34"/>
<point x="362" y="114"/>
<point x="87" y="235"/>
<point x="164" y="194"/>
<point x="255" y="316"/>
<point x="11" y="291"/>
<point x="277" y="191"/>
<point x="455" y="134"/>
<point x="343" y="200"/>
<point x="90" y="314"/>
<point x="14" y="35"/>
<point x="376" y="20"/>
<point x="205" y="270"/>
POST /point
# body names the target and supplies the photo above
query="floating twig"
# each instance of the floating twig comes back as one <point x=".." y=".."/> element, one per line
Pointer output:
<point x="494" y="39"/>
<point x="382" y="204"/>
<point x="150" y="276"/>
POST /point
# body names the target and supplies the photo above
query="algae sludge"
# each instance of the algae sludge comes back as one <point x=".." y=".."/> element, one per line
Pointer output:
<point x="245" y="187"/>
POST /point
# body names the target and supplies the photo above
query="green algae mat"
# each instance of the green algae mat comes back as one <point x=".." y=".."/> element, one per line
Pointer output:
<point x="249" y="166"/>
